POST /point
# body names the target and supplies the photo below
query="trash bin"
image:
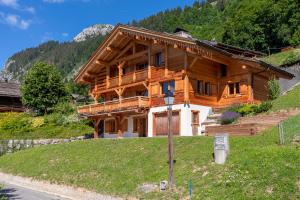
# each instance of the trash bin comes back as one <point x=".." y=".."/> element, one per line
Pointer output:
<point x="221" y="148"/>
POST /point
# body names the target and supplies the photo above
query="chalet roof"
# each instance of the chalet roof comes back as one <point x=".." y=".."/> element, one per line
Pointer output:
<point x="9" y="89"/>
<point x="182" y="42"/>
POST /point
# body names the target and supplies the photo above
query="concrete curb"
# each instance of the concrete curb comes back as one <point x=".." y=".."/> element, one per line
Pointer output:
<point x="54" y="189"/>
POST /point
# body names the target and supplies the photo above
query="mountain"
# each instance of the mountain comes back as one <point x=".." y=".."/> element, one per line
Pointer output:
<point x="263" y="25"/>
<point x="91" y="32"/>
<point x="67" y="56"/>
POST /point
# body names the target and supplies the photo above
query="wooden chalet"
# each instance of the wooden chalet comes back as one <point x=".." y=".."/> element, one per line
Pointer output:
<point x="133" y="69"/>
<point x="10" y="97"/>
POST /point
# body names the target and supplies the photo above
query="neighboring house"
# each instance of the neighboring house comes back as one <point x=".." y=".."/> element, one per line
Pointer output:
<point x="10" y="97"/>
<point x="134" y="68"/>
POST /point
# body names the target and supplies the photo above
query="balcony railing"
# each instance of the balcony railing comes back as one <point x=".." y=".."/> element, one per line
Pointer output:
<point x="116" y="105"/>
<point x="131" y="77"/>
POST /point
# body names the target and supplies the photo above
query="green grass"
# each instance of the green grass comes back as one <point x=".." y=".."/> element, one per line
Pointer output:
<point x="283" y="58"/>
<point x="290" y="100"/>
<point x="25" y="126"/>
<point x="257" y="168"/>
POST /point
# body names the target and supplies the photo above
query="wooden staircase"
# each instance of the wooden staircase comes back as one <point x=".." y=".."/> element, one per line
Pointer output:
<point x="250" y="125"/>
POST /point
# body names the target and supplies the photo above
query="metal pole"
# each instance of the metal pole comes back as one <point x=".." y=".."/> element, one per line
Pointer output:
<point x="170" y="145"/>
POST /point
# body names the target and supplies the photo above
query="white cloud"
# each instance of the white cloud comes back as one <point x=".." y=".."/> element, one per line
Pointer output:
<point x="54" y="1"/>
<point x="9" y="3"/>
<point x="14" y="4"/>
<point x="65" y="34"/>
<point x="14" y="21"/>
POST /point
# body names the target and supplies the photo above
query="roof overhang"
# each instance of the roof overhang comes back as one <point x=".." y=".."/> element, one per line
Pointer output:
<point x="199" y="47"/>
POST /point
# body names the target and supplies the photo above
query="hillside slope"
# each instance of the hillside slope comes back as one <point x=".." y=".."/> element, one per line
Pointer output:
<point x="257" y="168"/>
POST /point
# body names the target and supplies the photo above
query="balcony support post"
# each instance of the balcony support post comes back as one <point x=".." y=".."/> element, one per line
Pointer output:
<point x="107" y="76"/>
<point x="186" y="80"/>
<point x="96" y="126"/>
<point x="149" y="73"/>
<point x="166" y="60"/>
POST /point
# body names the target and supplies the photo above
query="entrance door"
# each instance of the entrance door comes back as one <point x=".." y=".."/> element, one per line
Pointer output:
<point x="161" y="123"/>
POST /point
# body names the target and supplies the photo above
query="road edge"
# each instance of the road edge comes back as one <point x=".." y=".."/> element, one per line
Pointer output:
<point x="54" y="189"/>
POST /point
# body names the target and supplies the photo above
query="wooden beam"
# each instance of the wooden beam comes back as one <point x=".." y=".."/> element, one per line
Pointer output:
<point x="193" y="62"/>
<point x="166" y="60"/>
<point x="107" y="76"/>
<point x="101" y="62"/>
<point x="145" y="85"/>
<point x="186" y="80"/>
<point x="111" y="49"/>
<point x="131" y="57"/>
<point x="123" y="51"/>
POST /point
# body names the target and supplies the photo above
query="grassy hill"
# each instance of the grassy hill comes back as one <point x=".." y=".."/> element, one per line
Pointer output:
<point x="288" y="101"/>
<point x="285" y="58"/>
<point x="257" y="168"/>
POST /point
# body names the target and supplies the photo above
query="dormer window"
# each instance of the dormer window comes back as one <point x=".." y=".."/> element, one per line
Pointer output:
<point x="158" y="59"/>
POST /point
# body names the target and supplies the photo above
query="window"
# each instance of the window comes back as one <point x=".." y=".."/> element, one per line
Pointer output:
<point x="168" y="86"/>
<point x="141" y="66"/>
<point x="237" y="88"/>
<point x="195" y="117"/>
<point x="207" y="89"/>
<point x="158" y="59"/>
<point x="233" y="88"/>
<point x="110" y="126"/>
<point x="223" y="70"/>
<point x="200" y="87"/>
<point x="142" y="93"/>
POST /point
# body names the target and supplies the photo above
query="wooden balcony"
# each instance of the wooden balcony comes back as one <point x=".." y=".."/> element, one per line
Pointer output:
<point x="131" y="77"/>
<point x="114" y="106"/>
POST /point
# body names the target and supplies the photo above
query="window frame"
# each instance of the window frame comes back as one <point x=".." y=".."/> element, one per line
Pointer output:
<point x="236" y="92"/>
<point x="168" y="85"/>
<point x="158" y="58"/>
<point x="193" y="112"/>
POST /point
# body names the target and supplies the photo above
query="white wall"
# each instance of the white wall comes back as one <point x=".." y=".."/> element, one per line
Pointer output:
<point x="185" y="117"/>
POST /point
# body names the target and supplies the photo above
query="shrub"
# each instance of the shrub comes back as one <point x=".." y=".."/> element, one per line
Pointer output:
<point x="273" y="89"/>
<point x="263" y="107"/>
<point x="37" y="122"/>
<point x="64" y="107"/>
<point x="246" y="109"/>
<point x="229" y="117"/>
<point x="234" y="108"/>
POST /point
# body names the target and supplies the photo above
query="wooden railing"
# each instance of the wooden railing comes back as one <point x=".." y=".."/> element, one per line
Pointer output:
<point x="116" y="105"/>
<point x="131" y="77"/>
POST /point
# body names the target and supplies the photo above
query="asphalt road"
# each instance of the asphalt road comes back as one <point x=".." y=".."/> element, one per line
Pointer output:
<point x="13" y="192"/>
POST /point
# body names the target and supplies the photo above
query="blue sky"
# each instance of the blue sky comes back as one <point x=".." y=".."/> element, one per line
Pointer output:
<point x="27" y="23"/>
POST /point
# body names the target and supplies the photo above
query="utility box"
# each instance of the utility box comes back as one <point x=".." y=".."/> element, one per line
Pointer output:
<point x="221" y="148"/>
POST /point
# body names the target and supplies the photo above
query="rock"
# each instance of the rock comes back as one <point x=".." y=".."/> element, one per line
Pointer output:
<point x="93" y="31"/>
<point x="66" y="140"/>
<point x="148" y="187"/>
<point x="10" y="144"/>
<point x="81" y="137"/>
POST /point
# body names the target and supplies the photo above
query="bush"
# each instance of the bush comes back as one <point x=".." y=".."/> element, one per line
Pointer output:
<point x="263" y="107"/>
<point x="229" y="117"/>
<point x="273" y="89"/>
<point x="64" y="107"/>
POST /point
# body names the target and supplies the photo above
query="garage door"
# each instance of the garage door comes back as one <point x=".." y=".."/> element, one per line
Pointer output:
<point x="161" y="123"/>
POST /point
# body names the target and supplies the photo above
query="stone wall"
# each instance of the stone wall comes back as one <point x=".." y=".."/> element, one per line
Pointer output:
<point x="10" y="146"/>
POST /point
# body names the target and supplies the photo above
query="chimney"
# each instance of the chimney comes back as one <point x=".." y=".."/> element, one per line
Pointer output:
<point x="182" y="33"/>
